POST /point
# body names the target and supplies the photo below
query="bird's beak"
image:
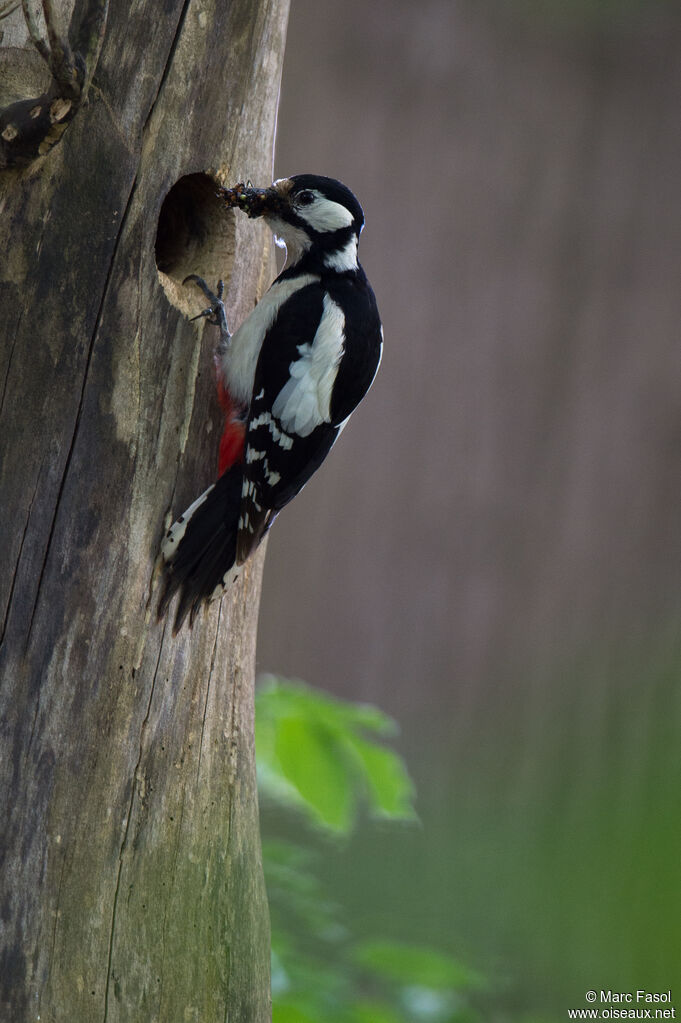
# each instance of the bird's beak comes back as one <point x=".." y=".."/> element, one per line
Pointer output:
<point x="255" y="202"/>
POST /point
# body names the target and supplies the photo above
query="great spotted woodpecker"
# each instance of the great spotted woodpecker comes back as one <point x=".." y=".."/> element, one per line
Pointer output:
<point x="288" y="380"/>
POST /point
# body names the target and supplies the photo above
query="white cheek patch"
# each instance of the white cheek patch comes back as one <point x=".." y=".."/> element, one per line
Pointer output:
<point x="324" y="215"/>
<point x="286" y="236"/>
<point x="304" y="401"/>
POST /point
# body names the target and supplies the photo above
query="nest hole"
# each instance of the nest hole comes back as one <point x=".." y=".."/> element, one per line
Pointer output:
<point x="195" y="235"/>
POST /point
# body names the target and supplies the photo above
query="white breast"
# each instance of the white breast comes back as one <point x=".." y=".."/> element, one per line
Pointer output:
<point x="241" y="357"/>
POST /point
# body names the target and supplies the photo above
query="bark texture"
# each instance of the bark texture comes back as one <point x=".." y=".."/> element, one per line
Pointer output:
<point x="131" y="880"/>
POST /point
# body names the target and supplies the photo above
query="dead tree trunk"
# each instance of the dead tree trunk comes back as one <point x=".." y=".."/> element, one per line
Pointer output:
<point x="130" y="876"/>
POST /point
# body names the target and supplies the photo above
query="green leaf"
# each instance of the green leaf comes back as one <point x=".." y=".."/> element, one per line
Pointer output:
<point x="390" y="789"/>
<point x="315" y="753"/>
<point x="312" y="760"/>
<point x="276" y="698"/>
<point x="415" y="966"/>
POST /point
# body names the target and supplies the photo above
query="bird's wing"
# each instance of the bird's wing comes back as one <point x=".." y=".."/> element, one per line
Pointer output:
<point x="317" y="339"/>
<point x="289" y="432"/>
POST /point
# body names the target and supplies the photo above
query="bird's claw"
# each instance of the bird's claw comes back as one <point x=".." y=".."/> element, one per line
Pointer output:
<point x="215" y="312"/>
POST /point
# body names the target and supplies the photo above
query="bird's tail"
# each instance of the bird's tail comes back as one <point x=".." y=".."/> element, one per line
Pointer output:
<point x="199" y="550"/>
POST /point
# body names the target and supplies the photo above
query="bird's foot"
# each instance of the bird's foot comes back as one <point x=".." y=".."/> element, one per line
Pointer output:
<point x="215" y="313"/>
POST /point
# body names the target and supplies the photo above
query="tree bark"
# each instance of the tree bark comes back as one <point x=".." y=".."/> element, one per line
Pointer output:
<point x="131" y="881"/>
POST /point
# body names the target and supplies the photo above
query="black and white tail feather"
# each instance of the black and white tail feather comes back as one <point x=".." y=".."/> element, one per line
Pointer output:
<point x="199" y="550"/>
<point x="300" y="363"/>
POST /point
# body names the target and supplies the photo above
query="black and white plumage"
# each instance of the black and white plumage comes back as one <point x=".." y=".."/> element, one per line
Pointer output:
<point x="297" y="368"/>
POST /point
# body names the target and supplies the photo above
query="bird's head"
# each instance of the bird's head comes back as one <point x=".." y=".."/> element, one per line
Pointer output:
<point x="318" y="219"/>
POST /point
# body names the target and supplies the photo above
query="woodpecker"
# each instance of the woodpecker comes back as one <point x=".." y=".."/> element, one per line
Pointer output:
<point x="288" y="380"/>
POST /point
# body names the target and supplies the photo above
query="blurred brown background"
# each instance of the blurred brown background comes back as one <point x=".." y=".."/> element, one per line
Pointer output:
<point x="492" y="552"/>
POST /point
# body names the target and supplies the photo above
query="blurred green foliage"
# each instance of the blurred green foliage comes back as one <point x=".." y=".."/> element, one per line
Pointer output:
<point x="319" y="761"/>
<point x="320" y="755"/>
<point x="547" y="862"/>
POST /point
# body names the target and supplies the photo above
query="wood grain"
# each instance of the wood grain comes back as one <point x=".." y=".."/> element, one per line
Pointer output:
<point x="130" y="866"/>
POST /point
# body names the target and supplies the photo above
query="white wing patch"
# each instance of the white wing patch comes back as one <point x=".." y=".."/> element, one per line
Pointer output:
<point x="265" y="419"/>
<point x="241" y="356"/>
<point x="305" y="399"/>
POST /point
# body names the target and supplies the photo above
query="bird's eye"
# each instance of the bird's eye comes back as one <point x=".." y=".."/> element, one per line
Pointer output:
<point x="305" y="198"/>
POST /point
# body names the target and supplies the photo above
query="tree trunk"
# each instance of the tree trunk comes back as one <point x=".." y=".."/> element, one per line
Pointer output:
<point x="130" y="861"/>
